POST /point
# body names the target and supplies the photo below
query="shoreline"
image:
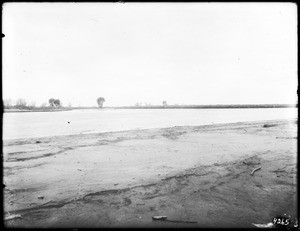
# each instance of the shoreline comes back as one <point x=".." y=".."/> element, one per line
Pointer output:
<point x="233" y="106"/>
<point x="186" y="127"/>
<point x="183" y="172"/>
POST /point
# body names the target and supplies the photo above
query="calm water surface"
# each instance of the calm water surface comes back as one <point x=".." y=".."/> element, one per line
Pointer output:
<point x="40" y="124"/>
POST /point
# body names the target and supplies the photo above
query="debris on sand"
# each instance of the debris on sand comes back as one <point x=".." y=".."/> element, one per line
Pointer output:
<point x="40" y="197"/>
<point x="159" y="218"/>
<point x="182" y="221"/>
<point x="269" y="125"/>
<point x="268" y="225"/>
<point x="164" y="218"/>
<point x="13" y="216"/>
<point x="255" y="170"/>
<point x="252" y="161"/>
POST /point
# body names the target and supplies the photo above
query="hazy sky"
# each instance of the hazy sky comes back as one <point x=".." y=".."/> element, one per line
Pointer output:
<point x="191" y="53"/>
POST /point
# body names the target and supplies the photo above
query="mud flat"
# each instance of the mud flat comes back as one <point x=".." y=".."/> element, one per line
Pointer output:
<point x="122" y="179"/>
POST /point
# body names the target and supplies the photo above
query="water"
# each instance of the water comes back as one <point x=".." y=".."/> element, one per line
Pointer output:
<point x="41" y="124"/>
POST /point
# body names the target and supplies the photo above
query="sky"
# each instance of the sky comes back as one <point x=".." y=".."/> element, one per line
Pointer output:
<point x="182" y="53"/>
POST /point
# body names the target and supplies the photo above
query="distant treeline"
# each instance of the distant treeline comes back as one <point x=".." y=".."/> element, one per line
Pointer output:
<point x="44" y="107"/>
<point x="212" y="106"/>
<point x="54" y="105"/>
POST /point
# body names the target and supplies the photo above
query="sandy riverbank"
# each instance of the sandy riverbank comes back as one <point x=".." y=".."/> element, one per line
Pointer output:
<point x="124" y="178"/>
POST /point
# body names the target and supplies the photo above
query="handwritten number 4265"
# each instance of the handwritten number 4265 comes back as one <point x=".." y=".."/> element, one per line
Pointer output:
<point x="282" y="221"/>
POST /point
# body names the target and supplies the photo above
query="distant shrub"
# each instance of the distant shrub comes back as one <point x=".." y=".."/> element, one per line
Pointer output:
<point x="269" y="125"/>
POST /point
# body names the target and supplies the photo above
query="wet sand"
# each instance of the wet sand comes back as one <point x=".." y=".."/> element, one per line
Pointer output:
<point x="122" y="179"/>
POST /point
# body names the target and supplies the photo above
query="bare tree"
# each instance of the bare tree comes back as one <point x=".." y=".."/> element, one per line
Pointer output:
<point x="100" y="101"/>
<point x="51" y="102"/>
<point x="7" y="103"/>
<point x="21" y="103"/>
<point x="54" y="102"/>
<point x="57" y="103"/>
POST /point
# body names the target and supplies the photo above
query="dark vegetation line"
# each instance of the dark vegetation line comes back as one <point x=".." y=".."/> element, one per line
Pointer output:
<point x="21" y="105"/>
<point x="218" y="106"/>
<point x="225" y="106"/>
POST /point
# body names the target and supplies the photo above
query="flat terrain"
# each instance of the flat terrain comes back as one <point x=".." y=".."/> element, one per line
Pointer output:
<point x="36" y="110"/>
<point x="122" y="179"/>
